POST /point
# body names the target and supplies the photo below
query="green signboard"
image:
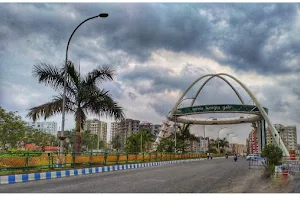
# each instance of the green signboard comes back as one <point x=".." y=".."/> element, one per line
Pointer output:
<point x="223" y="108"/>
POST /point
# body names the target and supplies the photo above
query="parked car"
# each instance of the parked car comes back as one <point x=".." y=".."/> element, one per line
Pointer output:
<point x="250" y="157"/>
<point x="254" y="157"/>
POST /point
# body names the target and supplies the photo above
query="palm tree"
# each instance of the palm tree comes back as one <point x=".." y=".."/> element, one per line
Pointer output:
<point x="83" y="96"/>
<point x="212" y="146"/>
<point x="147" y="139"/>
<point x="183" y="136"/>
<point x="223" y="143"/>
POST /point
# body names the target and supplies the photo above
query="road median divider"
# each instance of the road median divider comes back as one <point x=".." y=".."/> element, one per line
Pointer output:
<point x="22" y="178"/>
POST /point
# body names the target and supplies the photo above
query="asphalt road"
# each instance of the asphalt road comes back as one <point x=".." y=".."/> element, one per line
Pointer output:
<point x="209" y="176"/>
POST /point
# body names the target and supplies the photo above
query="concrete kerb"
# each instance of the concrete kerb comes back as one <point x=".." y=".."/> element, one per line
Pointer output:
<point x="22" y="178"/>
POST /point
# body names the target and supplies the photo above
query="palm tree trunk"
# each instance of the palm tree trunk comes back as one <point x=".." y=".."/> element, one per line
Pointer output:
<point x="77" y="142"/>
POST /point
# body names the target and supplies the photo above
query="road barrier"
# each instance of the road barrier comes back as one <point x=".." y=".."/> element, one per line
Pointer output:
<point x="289" y="166"/>
<point x="257" y="163"/>
<point x="40" y="161"/>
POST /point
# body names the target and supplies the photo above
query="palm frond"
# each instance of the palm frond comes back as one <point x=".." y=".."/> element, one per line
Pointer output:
<point x="100" y="103"/>
<point x="103" y="73"/>
<point x="51" y="75"/>
<point x="73" y="75"/>
<point x="50" y="109"/>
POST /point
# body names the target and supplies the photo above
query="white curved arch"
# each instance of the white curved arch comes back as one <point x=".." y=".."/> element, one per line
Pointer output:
<point x="260" y="108"/>
<point x="264" y="114"/>
<point x="185" y="92"/>
<point x="224" y="79"/>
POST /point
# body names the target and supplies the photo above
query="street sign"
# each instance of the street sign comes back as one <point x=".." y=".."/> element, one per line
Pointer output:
<point x="222" y="108"/>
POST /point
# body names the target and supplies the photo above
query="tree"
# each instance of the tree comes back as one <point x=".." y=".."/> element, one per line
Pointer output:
<point x="140" y="141"/>
<point x="116" y="142"/>
<point x="83" y="96"/>
<point x="212" y="146"/>
<point x="183" y="137"/>
<point x="273" y="154"/>
<point x="39" y="138"/>
<point x="12" y="129"/>
<point x="166" y="145"/>
<point x="147" y="139"/>
<point x="70" y="136"/>
<point x="90" y="141"/>
<point x="133" y="143"/>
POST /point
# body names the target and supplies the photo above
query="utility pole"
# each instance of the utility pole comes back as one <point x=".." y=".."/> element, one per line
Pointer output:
<point x="141" y="142"/>
<point x="175" y="129"/>
<point x="204" y="134"/>
<point x="98" y="133"/>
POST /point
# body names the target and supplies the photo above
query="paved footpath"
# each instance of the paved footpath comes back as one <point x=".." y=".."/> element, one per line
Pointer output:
<point x="209" y="176"/>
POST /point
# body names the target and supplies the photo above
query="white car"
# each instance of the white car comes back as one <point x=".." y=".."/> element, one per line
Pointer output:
<point x="251" y="156"/>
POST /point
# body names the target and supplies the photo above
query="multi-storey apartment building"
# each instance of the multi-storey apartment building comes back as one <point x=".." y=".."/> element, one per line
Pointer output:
<point x="124" y="129"/>
<point x="47" y="127"/>
<point x="156" y="129"/>
<point x="191" y="146"/>
<point x="253" y="142"/>
<point x="247" y="146"/>
<point x="288" y="135"/>
<point x="152" y="128"/>
<point x="114" y="130"/>
<point x="97" y="127"/>
<point x="146" y="126"/>
<point x="203" y="144"/>
<point x="239" y="149"/>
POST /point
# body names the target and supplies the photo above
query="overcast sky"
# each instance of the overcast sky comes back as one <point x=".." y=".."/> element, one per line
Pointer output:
<point x="158" y="50"/>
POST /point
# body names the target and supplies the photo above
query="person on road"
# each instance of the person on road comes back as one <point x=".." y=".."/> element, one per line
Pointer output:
<point x="226" y="155"/>
<point x="235" y="157"/>
<point x="208" y="156"/>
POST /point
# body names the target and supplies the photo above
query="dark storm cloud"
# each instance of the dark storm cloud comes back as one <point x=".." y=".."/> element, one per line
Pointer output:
<point x="251" y="28"/>
<point x="160" y="78"/>
<point x="293" y="84"/>
<point x="114" y="88"/>
<point x="132" y="96"/>
<point x="162" y="108"/>
<point x="214" y="92"/>
<point x="247" y="34"/>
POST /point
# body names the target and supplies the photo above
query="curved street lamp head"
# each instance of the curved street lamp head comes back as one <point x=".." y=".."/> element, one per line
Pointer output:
<point x="103" y="15"/>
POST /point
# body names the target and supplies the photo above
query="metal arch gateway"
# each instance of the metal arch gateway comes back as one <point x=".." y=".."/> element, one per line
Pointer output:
<point x="222" y="108"/>
<point x="260" y="112"/>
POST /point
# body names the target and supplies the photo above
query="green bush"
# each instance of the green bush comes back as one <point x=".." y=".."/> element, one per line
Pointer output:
<point x="273" y="155"/>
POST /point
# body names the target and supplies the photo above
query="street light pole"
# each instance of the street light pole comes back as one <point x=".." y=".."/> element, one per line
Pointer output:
<point x="141" y="142"/>
<point x="103" y="15"/>
<point x="175" y="134"/>
<point x="204" y="129"/>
